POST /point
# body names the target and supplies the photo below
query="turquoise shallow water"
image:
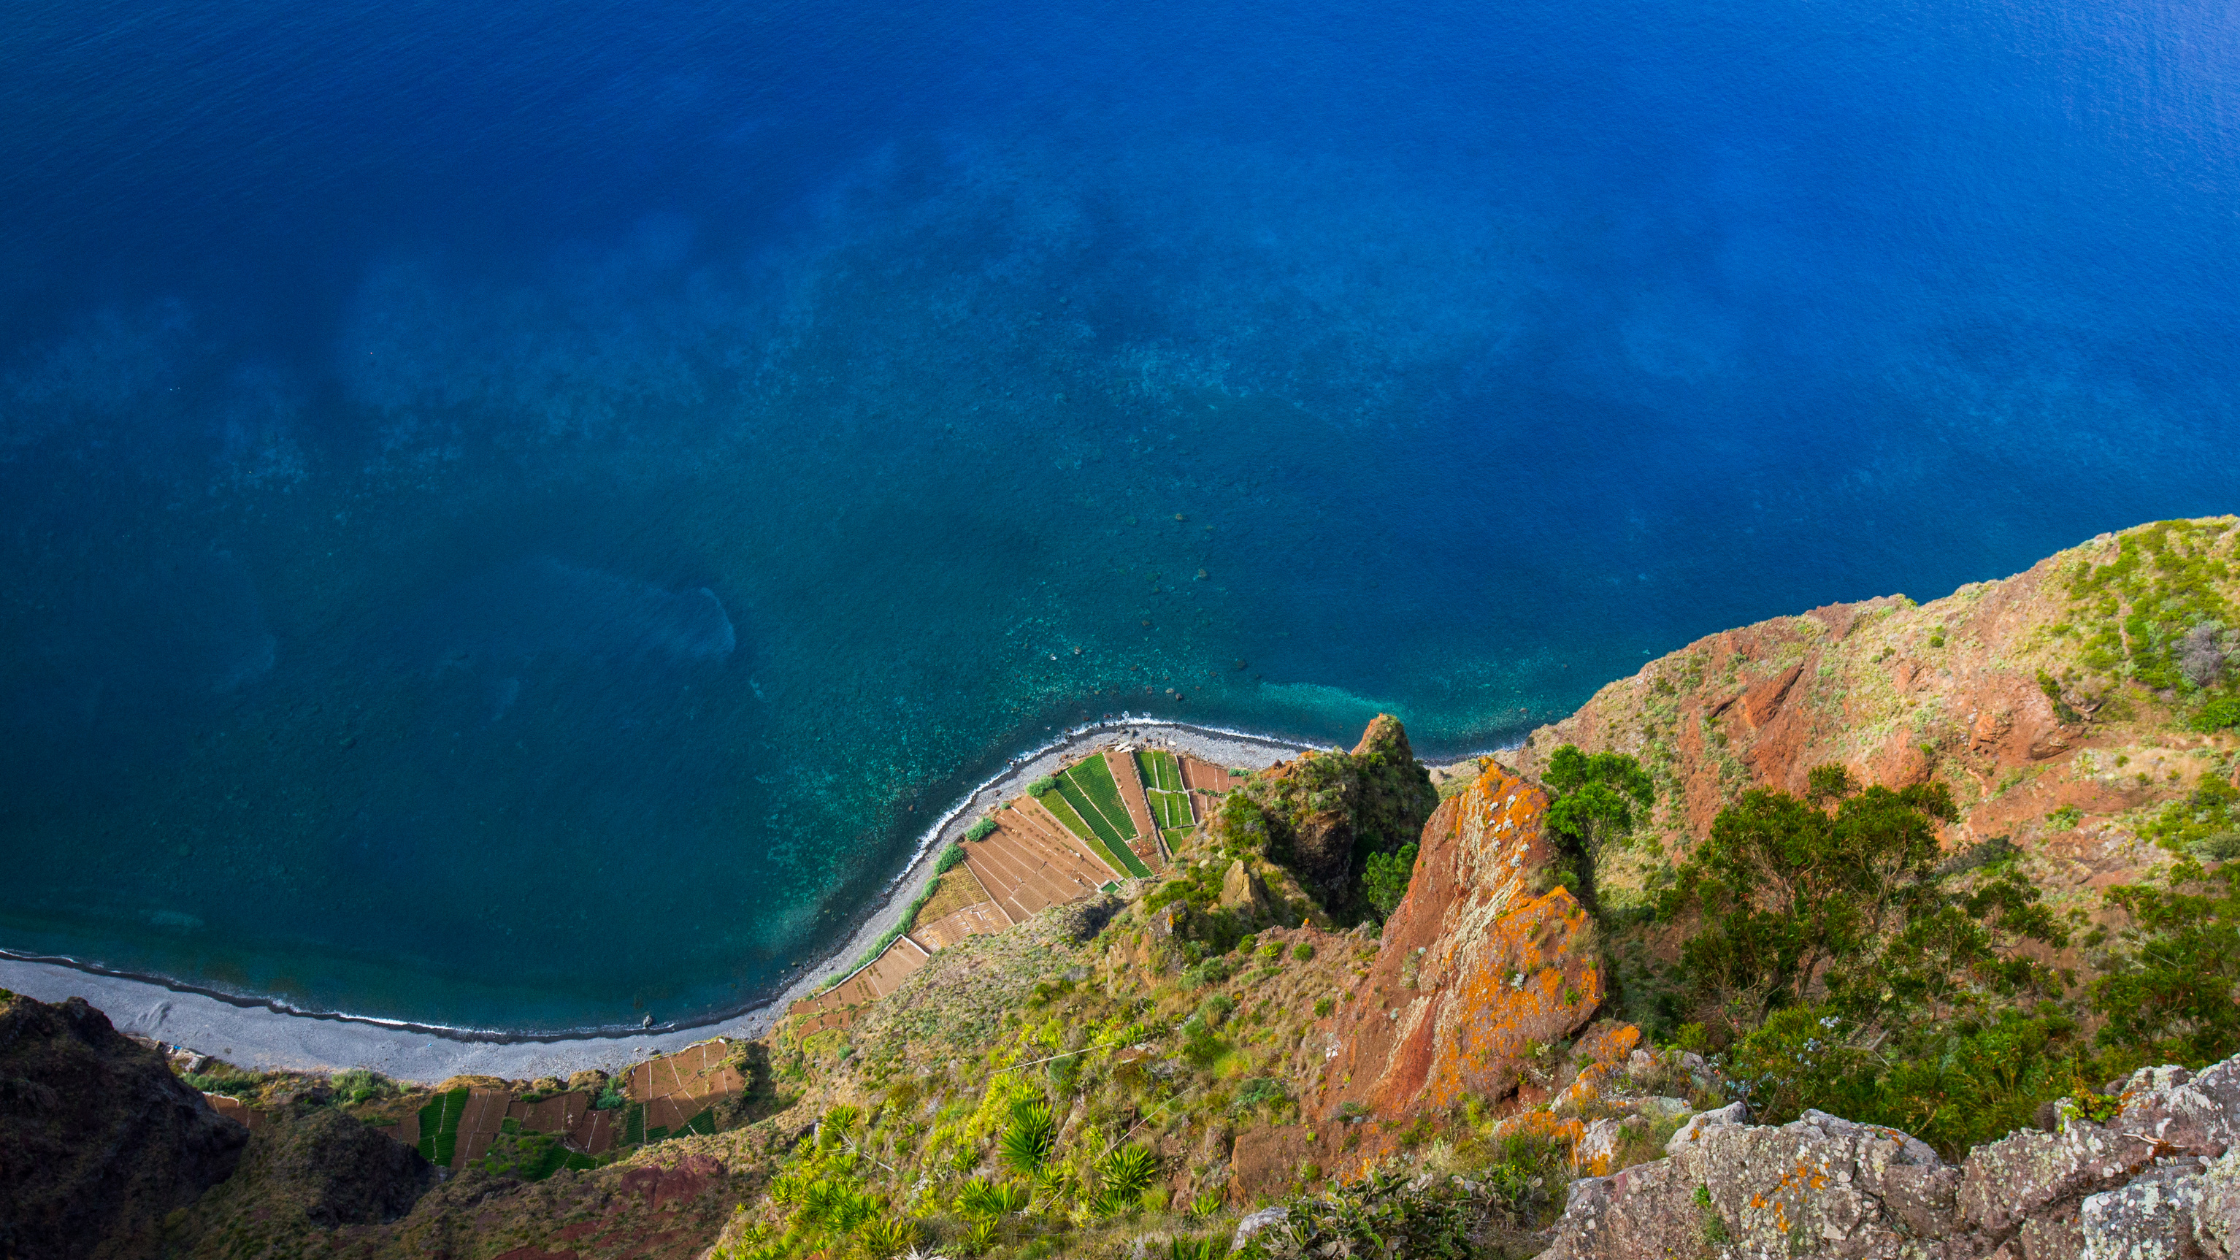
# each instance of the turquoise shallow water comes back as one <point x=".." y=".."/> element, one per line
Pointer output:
<point x="519" y="524"/>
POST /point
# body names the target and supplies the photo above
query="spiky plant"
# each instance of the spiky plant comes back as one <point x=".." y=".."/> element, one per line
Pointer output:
<point x="1127" y="1171"/>
<point x="839" y="1123"/>
<point x="1032" y="1136"/>
<point x="885" y="1236"/>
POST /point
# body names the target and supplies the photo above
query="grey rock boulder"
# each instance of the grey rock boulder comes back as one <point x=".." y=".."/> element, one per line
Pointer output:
<point x="2028" y="1172"/>
<point x="1266" y="1218"/>
<point x="2151" y="1218"/>
<point x="1819" y="1186"/>
<point x="1734" y="1113"/>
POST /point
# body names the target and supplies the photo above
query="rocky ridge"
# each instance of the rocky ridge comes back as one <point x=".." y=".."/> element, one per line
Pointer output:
<point x="2158" y="1179"/>
<point x="2053" y="703"/>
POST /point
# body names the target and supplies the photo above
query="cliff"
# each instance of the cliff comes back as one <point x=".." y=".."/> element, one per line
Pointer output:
<point x="2059" y="705"/>
<point x="1235" y="1053"/>
<point x="99" y="1142"/>
<point x="1480" y="964"/>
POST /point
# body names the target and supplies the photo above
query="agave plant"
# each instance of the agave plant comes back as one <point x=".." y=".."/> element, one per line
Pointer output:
<point x="888" y="1235"/>
<point x="1032" y="1136"/>
<point x="837" y="1125"/>
<point x="837" y="1207"/>
<point x="1128" y="1170"/>
<point x="988" y="1200"/>
<point x="1123" y="1175"/>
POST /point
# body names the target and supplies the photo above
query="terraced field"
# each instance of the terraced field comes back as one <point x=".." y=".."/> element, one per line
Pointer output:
<point x="1066" y="805"/>
<point x="1088" y="788"/>
<point x="505" y="1132"/>
<point x="1034" y="852"/>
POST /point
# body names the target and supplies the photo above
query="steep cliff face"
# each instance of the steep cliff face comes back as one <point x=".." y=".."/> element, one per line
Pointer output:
<point x="98" y="1141"/>
<point x="2054" y="702"/>
<point x="1477" y="965"/>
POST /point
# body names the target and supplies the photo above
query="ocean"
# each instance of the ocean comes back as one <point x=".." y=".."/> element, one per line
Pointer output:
<point x="518" y="516"/>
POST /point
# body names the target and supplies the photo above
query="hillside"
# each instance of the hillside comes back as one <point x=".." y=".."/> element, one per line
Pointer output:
<point x="2069" y="708"/>
<point x="1903" y="930"/>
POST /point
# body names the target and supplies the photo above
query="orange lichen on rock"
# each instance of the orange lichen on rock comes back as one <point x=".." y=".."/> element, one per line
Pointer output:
<point x="1607" y="1043"/>
<point x="1475" y="967"/>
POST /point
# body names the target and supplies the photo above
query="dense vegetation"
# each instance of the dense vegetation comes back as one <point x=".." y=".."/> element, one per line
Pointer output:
<point x="1834" y="960"/>
<point x="1591" y="805"/>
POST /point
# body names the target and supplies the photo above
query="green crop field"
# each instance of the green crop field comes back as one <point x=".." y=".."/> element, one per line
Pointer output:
<point x="1094" y="779"/>
<point x="1175" y="836"/>
<point x="1171" y="809"/>
<point x="1072" y="794"/>
<point x="1065" y="813"/>
<point x="1159" y="769"/>
<point x="634" y="1125"/>
<point x="439" y="1127"/>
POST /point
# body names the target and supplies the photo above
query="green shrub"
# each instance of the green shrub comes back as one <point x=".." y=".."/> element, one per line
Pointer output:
<point x="1302" y="951"/>
<point x="1383" y="1215"/>
<point x="1593" y="803"/>
<point x="1211" y="971"/>
<point x="2219" y="714"/>
<point x="1260" y="1091"/>
<point x="609" y="1098"/>
<point x="231" y="1084"/>
<point x="1793" y="905"/>
<point x="1323" y="1006"/>
<point x="980" y="829"/>
<point x="1199" y="1044"/>
<point x="2169" y="983"/>
<point x="359" y="1085"/>
<point x="1043" y="786"/>
<point x="2212" y="809"/>
<point x="1954" y="1085"/>
<point x="1385" y="878"/>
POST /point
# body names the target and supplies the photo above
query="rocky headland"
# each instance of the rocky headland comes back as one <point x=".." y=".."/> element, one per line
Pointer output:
<point x="1889" y="929"/>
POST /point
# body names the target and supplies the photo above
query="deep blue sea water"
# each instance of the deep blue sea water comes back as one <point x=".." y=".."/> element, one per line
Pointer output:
<point x="516" y="515"/>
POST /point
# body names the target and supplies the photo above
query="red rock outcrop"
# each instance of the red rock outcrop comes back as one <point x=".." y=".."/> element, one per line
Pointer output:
<point x="1476" y="966"/>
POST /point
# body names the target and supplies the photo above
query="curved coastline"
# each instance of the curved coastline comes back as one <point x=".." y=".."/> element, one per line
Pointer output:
<point x="267" y="1033"/>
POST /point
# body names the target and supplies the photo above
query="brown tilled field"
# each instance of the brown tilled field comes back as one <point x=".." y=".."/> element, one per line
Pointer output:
<point x="953" y="891"/>
<point x="973" y="920"/>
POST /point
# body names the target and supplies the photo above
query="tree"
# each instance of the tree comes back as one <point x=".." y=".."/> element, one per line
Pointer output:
<point x="1594" y="799"/>
<point x="2173" y="983"/>
<point x="1384" y="881"/>
<point x="1794" y="903"/>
